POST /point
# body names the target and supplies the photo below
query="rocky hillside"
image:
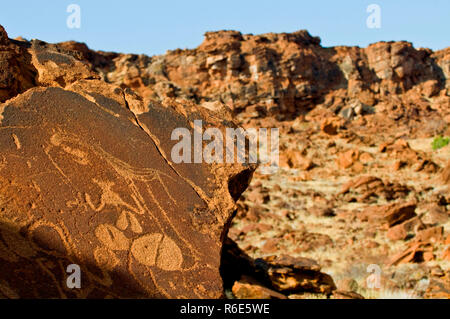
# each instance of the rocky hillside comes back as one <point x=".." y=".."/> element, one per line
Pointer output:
<point x="285" y="75"/>
<point x="359" y="183"/>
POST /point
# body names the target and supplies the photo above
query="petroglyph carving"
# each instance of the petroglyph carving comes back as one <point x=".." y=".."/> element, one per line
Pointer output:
<point x="16" y="141"/>
<point x="111" y="237"/>
<point x="123" y="169"/>
<point x="105" y="258"/>
<point x="157" y="249"/>
<point x="145" y="249"/>
<point x="126" y="219"/>
<point x="90" y="189"/>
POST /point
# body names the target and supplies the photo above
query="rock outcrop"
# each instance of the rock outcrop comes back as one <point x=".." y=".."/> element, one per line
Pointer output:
<point x="86" y="178"/>
<point x="286" y="75"/>
<point x="271" y="277"/>
<point x="86" y="175"/>
<point x="17" y="73"/>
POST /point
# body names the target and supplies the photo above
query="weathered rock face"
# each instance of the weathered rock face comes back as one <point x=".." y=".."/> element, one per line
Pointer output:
<point x="446" y="174"/>
<point x="86" y="178"/>
<point x="254" y="278"/>
<point x="285" y="74"/>
<point x="86" y="175"/>
<point x="56" y="67"/>
<point x="16" y="72"/>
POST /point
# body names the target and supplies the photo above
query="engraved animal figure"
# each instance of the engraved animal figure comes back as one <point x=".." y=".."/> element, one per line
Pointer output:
<point x="161" y="247"/>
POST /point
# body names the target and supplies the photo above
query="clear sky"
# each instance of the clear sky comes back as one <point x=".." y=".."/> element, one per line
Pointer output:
<point x="152" y="27"/>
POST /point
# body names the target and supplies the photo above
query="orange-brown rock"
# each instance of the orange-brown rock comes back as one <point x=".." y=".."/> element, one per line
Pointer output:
<point x="81" y="183"/>
<point x="339" y="294"/>
<point x="248" y="288"/>
<point x="56" y="66"/>
<point x="445" y="175"/>
<point x="285" y="274"/>
<point x="436" y="215"/>
<point x="295" y="159"/>
<point x="289" y="274"/>
<point x="433" y="234"/>
<point x="347" y="159"/>
<point x="415" y="252"/>
<point x="393" y="214"/>
<point x="17" y="74"/>
<point x="86" y="178"/>
<point x="406" y="156"/>
<point x="330" y="126"/>
<point x="307" y="241"/>
<point x="398" y="232"/>
<point x="446" y="254"/>
<point x="287" y="74"/>
<point x="366" y="187"/>
<point x="402" y="230"/>
<point x="365" y="157"/>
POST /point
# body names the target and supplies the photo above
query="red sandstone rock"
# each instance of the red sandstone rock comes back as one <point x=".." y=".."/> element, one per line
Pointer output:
<point x="86" y="179"/>
<point x="330" y="126"/>
<point x="248" y="288"/>
<point x="365" y="187"/>
<point x="347" y="159"/>
<point x="397" y="232"/>
<point x="446" y="254"/>
<point x="384" y="88"/>
<point x="272" y="73"/>
<point x="90" y="196"/>
<point x="433" y="234"/>
<point x="17" y="73"/>
<point x="395" y="213"/>
<point x="415" y="252"/>
<point x="288" y="274"/>
<point x="445" y="175"/>
<point x="284" y="274"/>
<point x="295" y="159"/>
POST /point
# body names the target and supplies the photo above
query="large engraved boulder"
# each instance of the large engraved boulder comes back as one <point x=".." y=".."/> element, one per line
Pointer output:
<point x="86" y="179"/>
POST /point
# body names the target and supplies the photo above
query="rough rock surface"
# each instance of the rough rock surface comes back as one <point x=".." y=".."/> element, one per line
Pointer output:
<point x="359" y="183"/>
<point x="250" y="278"/>
<point x="17" y="73"/>
<point x="290" y="274"/>
<point x="85" y="178"/>
<point x="286" y="75"/>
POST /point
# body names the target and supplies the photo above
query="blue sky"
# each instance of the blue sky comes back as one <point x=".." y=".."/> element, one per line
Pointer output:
<point x="152" y="27"/>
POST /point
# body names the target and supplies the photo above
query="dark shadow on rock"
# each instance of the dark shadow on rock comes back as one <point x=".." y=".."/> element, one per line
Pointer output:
<point x="36" y="268"/>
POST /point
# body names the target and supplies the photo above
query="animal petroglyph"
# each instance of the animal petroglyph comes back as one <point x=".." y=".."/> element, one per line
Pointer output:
<point x="123" y="170"/>
<point x="16" y="141"/>
<point x="105" y="258"/>
<point x="79" y="186"/>
<point x="111" y="237"/>
<point x="73" y="147"/>
<point x="157" y="249"/>
<point x="126" y="219"/>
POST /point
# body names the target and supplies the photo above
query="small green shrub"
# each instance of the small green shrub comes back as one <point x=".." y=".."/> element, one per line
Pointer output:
<point x="440" y="142"/>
